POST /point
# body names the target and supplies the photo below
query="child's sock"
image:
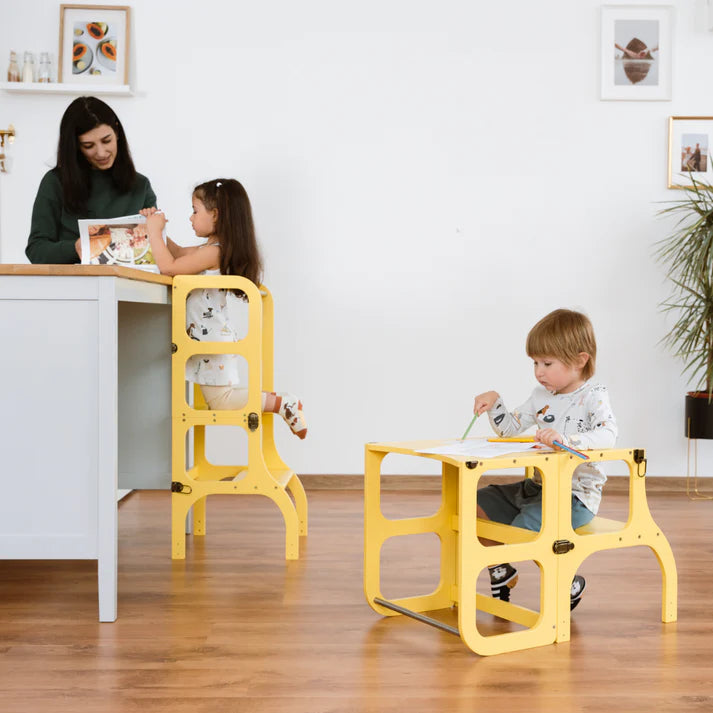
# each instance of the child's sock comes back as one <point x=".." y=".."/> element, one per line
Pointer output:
<point x="289" y="407"/>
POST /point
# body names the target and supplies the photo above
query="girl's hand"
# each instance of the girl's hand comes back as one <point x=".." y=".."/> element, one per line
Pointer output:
<point x="548" y="436"/>
<point x="484" y="402"/>
<point x="155" y="221"/>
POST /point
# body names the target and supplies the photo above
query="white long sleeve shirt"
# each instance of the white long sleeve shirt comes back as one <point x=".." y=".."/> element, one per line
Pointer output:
<point x="585" y="419"/>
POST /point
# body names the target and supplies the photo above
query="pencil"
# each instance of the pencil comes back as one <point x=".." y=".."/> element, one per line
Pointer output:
<point x="467" y="430"/>
<point x="571" y="450"/>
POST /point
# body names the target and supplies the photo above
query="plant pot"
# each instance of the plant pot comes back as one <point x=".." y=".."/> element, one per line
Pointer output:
<point x="699" y="415"/>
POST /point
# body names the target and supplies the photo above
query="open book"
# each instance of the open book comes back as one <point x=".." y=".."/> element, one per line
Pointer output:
<point x="117" y="241"/>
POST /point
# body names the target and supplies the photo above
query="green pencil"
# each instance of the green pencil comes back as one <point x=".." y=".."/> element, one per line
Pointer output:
<point x="467" y="430"/>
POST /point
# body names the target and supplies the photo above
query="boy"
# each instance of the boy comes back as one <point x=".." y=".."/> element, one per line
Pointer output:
<point x="568" y="406"/>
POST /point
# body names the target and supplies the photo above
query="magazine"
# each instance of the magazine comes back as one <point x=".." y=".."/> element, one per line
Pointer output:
<point x="120" y="241"/>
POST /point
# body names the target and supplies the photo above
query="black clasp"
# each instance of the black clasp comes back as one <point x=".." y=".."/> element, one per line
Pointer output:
<point x="253" y="421"/>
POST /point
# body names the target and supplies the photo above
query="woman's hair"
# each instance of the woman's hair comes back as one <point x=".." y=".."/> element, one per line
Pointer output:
<point x="239" y="253"/>
<point x="564" y="334"/>
<point x="82" y="115"/>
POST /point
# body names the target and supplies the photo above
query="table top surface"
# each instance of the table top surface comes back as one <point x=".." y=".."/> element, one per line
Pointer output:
<point x="128" y="273"/>
<point x="414" y="448"/>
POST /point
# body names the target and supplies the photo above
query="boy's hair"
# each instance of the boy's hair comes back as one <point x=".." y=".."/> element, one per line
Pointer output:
<point x="563" y="334"/>
<point x="239" y="252"/>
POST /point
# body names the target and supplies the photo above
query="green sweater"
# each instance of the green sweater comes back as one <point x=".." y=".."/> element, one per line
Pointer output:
<point x="54" y="228"/>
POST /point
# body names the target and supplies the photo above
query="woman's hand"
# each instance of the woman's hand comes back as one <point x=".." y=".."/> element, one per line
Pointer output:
<point x="484" y="402"/>
<point x="78" y="247"/>
<point x="548" y="436"/>
<point x="146" y="212"/>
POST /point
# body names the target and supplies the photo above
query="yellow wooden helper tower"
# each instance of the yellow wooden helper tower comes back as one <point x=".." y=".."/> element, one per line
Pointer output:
<point x="265" y="472"/>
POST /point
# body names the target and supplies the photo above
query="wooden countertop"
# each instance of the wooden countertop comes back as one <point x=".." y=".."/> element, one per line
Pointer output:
<point x="91" y="270"/>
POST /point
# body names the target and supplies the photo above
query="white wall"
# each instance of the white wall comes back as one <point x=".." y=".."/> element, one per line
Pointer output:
<point x="428" y="180"/>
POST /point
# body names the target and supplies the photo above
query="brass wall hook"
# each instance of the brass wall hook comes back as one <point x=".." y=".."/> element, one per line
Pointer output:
<point x="9" y="136"/>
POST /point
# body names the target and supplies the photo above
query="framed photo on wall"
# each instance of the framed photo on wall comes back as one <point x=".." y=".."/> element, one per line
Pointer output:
<point x="93" y="44"/>
<point x="636" y="52"/>
<point x="690" y="140"/>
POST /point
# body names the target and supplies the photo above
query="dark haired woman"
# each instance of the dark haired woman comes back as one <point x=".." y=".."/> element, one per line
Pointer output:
<point x="94" y="178"/>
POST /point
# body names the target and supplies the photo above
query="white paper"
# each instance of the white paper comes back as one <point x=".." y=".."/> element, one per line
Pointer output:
<point x="480" y="448"/>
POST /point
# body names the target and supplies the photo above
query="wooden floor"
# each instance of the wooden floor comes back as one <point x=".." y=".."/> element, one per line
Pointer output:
<point x="236" y="628"/>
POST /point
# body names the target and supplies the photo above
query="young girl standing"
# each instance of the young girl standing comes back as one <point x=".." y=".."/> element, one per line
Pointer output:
<point x="222" y="214"/>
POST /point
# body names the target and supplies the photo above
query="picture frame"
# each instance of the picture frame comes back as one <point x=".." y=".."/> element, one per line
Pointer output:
<point x="690" y="142"/>
<point x="94" y="44"/>
<point x="637" y="52"/>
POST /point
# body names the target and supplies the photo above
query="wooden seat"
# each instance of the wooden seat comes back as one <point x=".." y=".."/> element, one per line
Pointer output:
<point x="265" y="473"/>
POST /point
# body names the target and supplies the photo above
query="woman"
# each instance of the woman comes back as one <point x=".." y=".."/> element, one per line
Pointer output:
<point x="94" y="178"/>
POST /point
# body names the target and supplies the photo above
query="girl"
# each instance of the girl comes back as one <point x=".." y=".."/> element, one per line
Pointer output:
<point x="222" y="214"/>
<point x="94" y="178"/>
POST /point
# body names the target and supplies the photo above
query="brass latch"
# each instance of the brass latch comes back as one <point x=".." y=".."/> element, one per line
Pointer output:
<point x="562" y="547"/>
<point x="639" y="458"/>
<point x="253" y="421"/>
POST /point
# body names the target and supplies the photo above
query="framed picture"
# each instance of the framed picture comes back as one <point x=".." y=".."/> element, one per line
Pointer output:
<point x="637" y="52"/>
<point x="690" y="140"/>
<point x="93" y="44"/>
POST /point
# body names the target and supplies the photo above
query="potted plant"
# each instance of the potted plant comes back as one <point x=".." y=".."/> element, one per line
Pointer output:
<point x="688" y="256"/>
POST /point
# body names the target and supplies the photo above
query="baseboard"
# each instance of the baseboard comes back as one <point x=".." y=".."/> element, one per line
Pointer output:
<point x="615" y="483"/>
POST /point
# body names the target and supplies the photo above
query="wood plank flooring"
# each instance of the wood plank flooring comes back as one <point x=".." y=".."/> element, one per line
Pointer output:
<point x="236" y="628"/>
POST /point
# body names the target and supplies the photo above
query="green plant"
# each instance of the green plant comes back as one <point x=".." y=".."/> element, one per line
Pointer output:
<point x="688" y="256"/>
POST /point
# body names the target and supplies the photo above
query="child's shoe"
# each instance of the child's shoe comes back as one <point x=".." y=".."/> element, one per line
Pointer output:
<point x="503" y="577"/>
<point x="576" y="591"/>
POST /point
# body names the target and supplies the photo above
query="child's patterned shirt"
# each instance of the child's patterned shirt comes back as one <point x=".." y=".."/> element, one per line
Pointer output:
<point x="585" y="419"/>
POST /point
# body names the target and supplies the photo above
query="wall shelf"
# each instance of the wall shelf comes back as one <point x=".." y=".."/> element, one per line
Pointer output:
<point x="66" y="88"/>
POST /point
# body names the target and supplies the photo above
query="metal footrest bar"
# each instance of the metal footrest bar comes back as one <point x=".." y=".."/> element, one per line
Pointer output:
<point x="419" y="617"/>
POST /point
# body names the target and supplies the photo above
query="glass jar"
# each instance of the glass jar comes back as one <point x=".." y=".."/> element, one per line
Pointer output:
<point x="44" y="73"/>
<point x="28" y="68"/>
<point x="13" y="71"/>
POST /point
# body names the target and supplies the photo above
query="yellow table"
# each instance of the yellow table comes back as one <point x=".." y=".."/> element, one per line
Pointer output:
<point x="557" y="548"/>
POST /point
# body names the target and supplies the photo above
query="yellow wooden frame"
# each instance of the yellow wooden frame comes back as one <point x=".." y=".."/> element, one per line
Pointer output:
<point x="265" y="472"/>
<point x="463" y="557"/>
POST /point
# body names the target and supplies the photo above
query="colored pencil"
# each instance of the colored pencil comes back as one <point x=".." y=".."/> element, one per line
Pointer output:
<point x="467" y="430"/>
<point x="571" y="450"/>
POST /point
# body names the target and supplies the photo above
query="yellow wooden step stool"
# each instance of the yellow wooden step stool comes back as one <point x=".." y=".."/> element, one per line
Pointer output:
<point x="265" y="472"/>
<point x="557" y="548"/>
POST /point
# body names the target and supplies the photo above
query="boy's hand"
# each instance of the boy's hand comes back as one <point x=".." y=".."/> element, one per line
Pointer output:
<point x="484" y="402"/>
<point x="548" y="436"/>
